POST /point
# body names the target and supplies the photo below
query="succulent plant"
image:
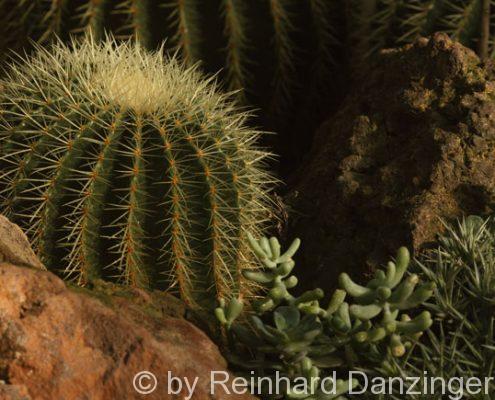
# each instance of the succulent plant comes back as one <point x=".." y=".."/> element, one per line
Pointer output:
<point x="297" y="337"/>
<point x="461" y="342"/>
<point x="123" y="164"/>
<point x="389" y="293"/>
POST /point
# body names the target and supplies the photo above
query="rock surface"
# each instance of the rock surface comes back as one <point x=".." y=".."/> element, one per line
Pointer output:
<point x="64" y="343"/>
<point x="413" y="143"/>
<point x="15" y="247"/>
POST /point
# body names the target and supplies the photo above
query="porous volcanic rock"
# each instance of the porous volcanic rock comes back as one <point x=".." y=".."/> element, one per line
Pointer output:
<point x="63" y="343"/>
<point x="412" y="144"/>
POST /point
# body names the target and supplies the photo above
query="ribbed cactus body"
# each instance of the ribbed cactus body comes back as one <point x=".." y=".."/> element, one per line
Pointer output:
<point x="123" y="165"/>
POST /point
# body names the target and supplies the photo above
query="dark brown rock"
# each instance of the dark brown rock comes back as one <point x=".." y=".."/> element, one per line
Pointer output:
<point x="412" y="144"/>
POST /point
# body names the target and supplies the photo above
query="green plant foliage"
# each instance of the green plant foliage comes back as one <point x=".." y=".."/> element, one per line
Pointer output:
<point x="461" y="343"/>
<point x="123" y="164"/>
<point x="387" y="294"/>
<point x="289" y="59"/>
<point x="297" y="337"/>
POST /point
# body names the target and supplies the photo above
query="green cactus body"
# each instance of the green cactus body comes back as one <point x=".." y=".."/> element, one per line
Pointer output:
<point x="123" y="165"/>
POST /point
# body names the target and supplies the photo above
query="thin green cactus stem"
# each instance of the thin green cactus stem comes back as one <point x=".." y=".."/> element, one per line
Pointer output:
<point x="235" y="32"/>
<point x="185" y="19"/>
<point x="284" y="54"/>
<point x="138" y="21"/>
<point x="94" y="17"/>
<point x="54" y="18"/>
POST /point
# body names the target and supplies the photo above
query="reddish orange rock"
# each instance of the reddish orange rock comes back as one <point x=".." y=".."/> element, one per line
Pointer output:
<point x="63" y="344"/>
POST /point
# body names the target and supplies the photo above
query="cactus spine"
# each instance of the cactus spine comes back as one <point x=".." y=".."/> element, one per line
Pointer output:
<point x="122" y="164"/>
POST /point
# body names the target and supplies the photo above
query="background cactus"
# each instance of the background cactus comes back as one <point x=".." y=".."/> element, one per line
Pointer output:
<point x="122" y="164"/>
<point x="290" y="59"/>
<point x="297" y="337"/>
<point x="379" y="24"/>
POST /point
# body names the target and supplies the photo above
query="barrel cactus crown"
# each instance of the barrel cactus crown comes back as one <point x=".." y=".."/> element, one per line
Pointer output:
<point x="124" y="165"/>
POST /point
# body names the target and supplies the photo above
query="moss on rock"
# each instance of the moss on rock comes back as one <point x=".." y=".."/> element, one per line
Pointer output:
<point x="412" y="144"/>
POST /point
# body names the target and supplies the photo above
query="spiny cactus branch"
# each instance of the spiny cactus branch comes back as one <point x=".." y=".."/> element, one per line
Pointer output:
<point x="185" y="18"/>
<point x="235" y="31"/>
<point x="93" y="17"/>
<point x="138" y="18"/>
<point x="484" y="43"/>
<point x="284" y="48"/>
